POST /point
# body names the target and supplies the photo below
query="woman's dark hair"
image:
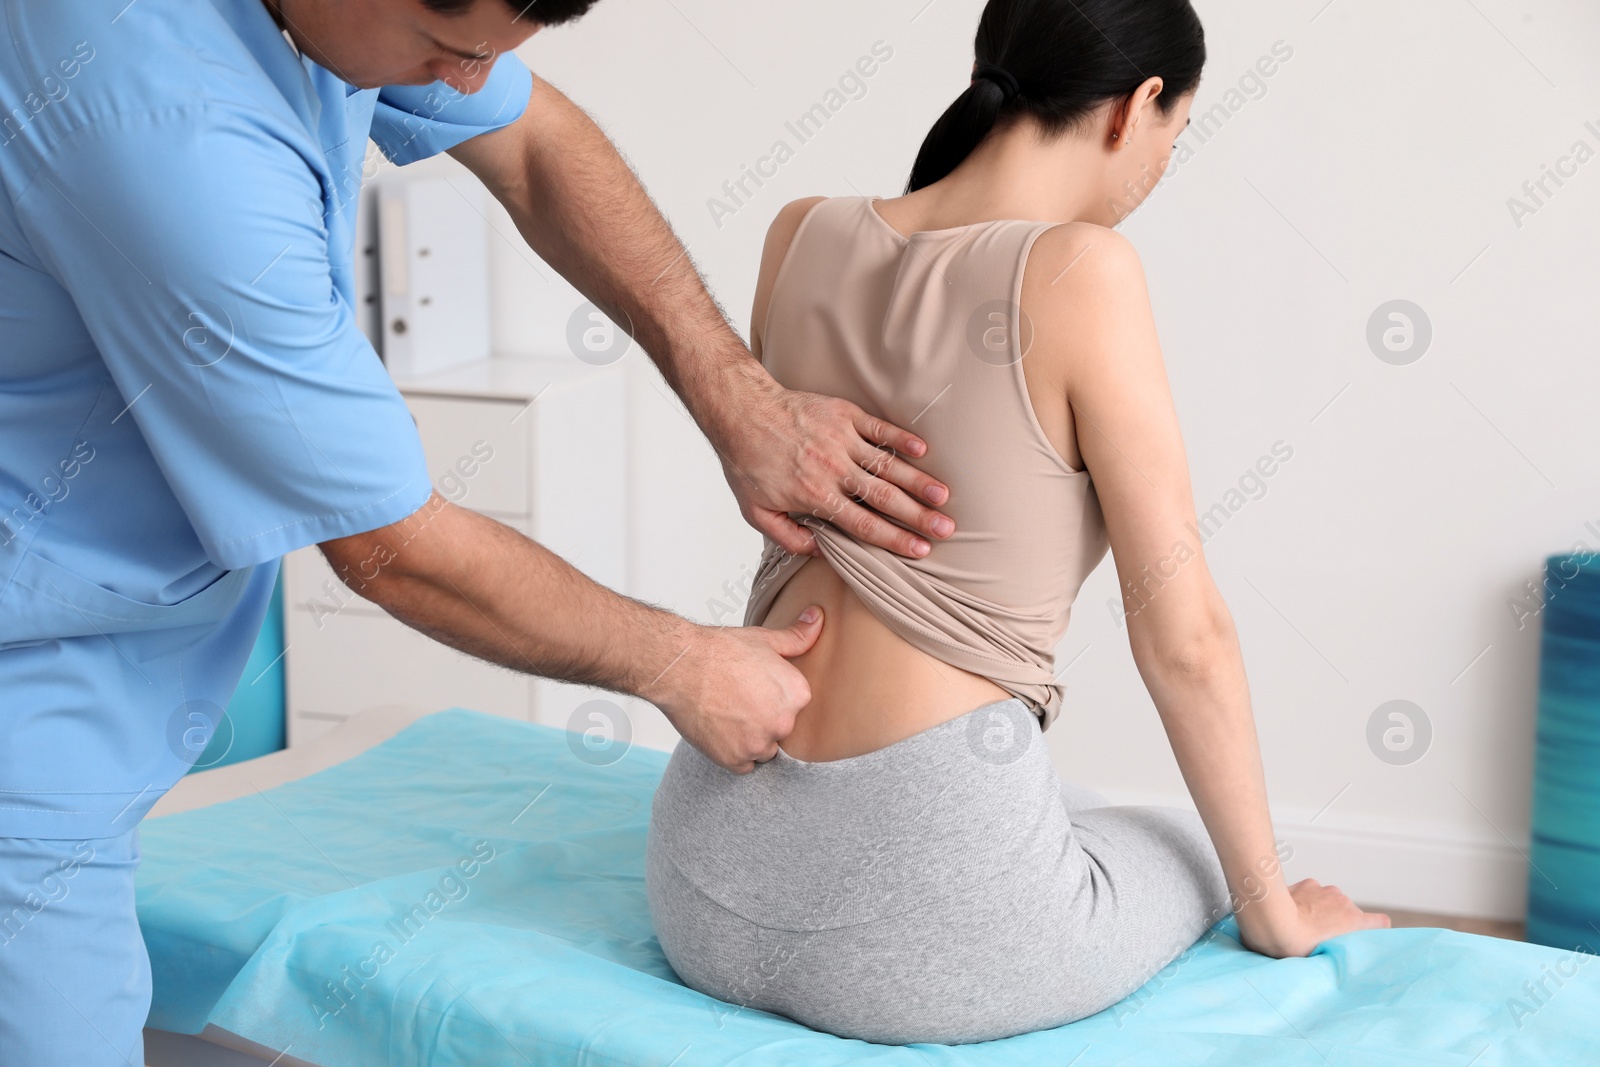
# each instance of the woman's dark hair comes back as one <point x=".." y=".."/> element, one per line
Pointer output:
<point x="544" y="12"/>
<point x="1058" y="60"/>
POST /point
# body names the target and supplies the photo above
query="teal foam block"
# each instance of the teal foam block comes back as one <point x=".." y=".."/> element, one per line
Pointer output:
<point x="1564" y="854"/>
<point x="254" y="723"/>
<point x="471" y="891"/>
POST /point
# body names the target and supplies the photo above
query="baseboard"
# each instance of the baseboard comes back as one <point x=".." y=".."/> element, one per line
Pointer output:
<point x="1414" y="871"/>
<point x="1393" y="863"/>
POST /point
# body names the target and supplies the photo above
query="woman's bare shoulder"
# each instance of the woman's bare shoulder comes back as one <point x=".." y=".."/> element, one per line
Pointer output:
<point x="780" y="234"/>
<point x="1076" y="256"/>
<point x="1083" y="285"/>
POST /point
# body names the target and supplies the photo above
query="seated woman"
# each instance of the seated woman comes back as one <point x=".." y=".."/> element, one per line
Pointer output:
<point x="909" y="867"/>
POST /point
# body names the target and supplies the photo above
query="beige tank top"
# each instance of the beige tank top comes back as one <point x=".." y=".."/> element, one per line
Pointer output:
<point x="924" y="331"/>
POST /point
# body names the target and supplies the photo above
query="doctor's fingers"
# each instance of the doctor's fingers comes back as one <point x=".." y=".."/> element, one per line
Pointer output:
<point x="867" y="523"/>
<point x="884" y="445"/>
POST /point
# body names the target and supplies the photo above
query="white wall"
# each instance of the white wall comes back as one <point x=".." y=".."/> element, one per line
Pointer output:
<point x="1374" y="164"/>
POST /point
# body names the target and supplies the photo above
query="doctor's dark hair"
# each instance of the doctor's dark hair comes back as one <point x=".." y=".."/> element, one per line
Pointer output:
<point x="1058" y="60"/>
<point x="544" y="12"/>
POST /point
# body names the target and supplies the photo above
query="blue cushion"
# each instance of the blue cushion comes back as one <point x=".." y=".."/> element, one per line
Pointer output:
<point x="472" y="892"/>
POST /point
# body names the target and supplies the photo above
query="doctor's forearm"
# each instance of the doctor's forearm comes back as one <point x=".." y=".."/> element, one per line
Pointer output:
<point x="581" y="208"/>
<point x="483" y="588"/>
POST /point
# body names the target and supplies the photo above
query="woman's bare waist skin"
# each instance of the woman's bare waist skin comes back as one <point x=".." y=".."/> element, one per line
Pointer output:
<point x="869" y="686"/>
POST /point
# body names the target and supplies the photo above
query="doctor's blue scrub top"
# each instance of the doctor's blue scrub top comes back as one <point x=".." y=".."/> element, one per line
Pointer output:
<point x="184" y="393"/>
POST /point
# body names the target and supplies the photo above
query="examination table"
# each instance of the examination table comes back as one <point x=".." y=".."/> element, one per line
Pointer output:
<point x="460" y="889"/>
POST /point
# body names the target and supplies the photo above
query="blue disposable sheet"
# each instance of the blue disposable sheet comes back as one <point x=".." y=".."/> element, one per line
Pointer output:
<point x="471" y="891"/>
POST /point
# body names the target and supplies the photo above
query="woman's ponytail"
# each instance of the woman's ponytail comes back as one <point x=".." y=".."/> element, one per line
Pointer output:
<point x="961" y="128"/>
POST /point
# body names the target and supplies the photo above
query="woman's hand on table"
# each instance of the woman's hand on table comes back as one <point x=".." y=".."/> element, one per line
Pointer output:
<point x="1320" y="912"/>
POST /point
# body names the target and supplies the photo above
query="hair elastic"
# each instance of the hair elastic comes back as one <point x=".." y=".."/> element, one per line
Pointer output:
<point x="1008" y="85"/>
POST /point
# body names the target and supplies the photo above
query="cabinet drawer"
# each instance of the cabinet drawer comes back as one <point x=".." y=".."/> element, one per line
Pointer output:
<point x="477" y="455"/>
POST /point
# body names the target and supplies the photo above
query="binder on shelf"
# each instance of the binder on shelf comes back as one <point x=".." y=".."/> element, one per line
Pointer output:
<point x="365" y="282"/>
<point x="433" y="274"/>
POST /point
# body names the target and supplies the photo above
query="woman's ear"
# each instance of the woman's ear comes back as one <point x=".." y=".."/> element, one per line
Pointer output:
<point x="1140" y="103"/>
<point x="1119" y="122"/>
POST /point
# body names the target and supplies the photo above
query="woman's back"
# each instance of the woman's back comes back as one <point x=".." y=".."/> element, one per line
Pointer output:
<point x="926" y="330"/>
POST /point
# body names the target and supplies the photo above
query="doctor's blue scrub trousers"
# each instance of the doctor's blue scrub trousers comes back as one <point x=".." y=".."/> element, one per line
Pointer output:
<point x="74" y="977"/>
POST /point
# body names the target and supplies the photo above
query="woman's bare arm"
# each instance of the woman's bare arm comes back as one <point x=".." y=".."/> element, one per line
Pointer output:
<point x="1086" y="293"/>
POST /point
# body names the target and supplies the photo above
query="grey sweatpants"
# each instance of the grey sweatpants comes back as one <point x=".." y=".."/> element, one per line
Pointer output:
<point x="948" y="888"/>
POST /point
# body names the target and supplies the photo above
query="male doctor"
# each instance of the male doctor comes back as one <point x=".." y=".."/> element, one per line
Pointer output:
<point x="185" y="397"/>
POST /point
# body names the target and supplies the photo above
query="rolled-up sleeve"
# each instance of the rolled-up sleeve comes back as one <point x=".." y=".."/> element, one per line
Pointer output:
<point x="413" y="122"/>
<point x="192" y="241"/>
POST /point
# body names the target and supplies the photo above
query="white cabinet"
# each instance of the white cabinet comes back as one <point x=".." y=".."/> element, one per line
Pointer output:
<point x="540" y="445"/>
<point x="477" y="451"/>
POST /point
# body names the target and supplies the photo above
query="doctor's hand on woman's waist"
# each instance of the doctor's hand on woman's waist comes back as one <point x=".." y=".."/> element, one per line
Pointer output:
<point x="483" y="588"/>
<point x="733" y="694"/>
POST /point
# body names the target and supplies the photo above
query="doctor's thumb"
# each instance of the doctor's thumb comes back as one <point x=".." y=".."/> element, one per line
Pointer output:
<point x="797" y="638"/>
